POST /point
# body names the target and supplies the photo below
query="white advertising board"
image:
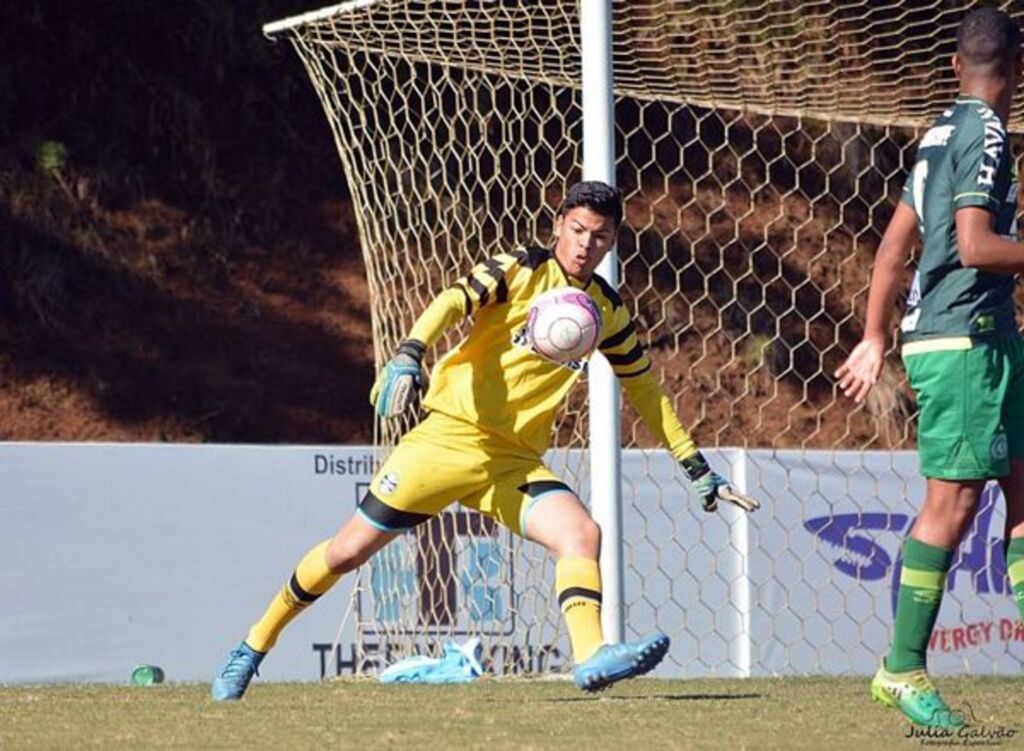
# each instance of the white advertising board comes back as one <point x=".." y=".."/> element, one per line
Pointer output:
<point x="119" y="554"/>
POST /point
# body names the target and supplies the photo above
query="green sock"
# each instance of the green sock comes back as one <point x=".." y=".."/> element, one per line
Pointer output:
<point x="1015" y="568"/>
<point x="921" y="584"/>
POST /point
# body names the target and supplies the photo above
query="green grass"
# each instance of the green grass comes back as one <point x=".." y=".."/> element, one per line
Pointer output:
<point x="811" y="713"/>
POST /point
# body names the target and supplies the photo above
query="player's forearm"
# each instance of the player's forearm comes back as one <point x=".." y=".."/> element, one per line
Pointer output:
<point x="885" y="283"/>
<point x="993" y="253"/>
<point x="445" y="311"/>
<point x="657" y="412"/>
<point x="981" y="247"/>
<point x="890" y="260"/>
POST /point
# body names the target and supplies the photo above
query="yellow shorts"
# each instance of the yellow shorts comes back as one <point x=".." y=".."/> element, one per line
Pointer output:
<point x="444" y="460"/>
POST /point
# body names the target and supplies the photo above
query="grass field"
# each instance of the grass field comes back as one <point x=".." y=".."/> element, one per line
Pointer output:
<point x="811" y="713"/>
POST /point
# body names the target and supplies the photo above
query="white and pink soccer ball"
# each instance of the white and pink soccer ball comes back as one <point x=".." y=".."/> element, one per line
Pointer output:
<point x="564" y="324"/>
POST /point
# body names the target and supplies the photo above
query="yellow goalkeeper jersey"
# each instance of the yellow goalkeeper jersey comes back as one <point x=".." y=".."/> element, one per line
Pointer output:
<point x="496" y="382"/>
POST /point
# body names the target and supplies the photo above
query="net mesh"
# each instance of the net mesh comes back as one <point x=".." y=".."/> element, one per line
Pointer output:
<point x="761" y="147"/>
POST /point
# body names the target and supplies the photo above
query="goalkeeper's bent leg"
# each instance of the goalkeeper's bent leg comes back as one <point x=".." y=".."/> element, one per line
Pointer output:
<point x="553" y="516"/>
<point x="316" y="573"/>
<point x="311" y="579"/>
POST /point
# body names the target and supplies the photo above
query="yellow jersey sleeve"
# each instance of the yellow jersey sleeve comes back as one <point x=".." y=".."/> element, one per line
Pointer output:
<point x="632" y="365"/>
<point x="487" y="283"/>
<point x="660" y="416"/>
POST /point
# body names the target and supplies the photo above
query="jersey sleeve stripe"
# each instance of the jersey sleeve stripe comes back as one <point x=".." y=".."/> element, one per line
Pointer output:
<point x="465" y="294"/>
<point x="644" y="369"/>
<point x="532" y="257"/>
<point x="627" y="359"/>
<point x="619" y="337"/>
<point x="973" y="194"/>
<point x="481" y="291"/>
<point x="495" y="269"/>
<point x="608" y="291"/>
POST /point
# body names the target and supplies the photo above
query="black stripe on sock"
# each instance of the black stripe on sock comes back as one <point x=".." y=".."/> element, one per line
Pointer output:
<point x="300" y="594"/>
<point x="387" y="517"/>
<point x="570" y="592"/>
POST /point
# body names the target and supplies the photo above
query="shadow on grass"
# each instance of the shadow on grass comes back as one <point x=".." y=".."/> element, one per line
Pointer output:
<point x="662" y="697"/>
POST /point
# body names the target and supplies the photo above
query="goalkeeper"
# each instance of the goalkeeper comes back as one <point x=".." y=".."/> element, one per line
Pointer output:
<point x="960" y="343"/>
<point x="491" y="406"/>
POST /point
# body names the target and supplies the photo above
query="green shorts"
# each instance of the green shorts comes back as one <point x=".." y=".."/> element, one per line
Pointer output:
<point x="970" y="397"/>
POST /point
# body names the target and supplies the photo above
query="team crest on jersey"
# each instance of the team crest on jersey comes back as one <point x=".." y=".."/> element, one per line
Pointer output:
<point x="983" y="323"/>
<point x="521" y="338"/>
<point x="388" y="483"/>
<point x="999" y="447"/>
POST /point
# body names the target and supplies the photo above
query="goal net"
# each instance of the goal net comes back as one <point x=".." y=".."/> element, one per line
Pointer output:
<point x="761" y="147"/>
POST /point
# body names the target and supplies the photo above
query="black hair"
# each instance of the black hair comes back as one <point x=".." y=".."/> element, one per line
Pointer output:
<point x="595" y="195"/>
<point x="989" y="38"/>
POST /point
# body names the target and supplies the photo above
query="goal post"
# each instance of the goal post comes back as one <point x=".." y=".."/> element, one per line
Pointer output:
<point x="761" y="148"/>
<point x="604" y="403"/>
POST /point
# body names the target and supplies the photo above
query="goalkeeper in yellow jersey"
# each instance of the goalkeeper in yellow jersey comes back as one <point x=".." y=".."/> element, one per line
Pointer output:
<point x="490" y="410"/>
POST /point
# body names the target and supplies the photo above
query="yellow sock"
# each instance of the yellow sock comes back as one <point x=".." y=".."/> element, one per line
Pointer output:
<point x="311" y="579"/>
<point x="578" y="584"/>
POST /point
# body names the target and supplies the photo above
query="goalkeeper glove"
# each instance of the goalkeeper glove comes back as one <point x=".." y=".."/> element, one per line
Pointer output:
<point x="398" y="386"/>
<point x="711" y="487"/>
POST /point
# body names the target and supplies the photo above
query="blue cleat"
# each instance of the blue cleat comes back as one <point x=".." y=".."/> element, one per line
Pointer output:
<point x="234" y="675"/>
<point x="616" y="662"/>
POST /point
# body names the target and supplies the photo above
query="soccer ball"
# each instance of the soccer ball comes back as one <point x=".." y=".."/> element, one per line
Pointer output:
<point x="564" y="324"/>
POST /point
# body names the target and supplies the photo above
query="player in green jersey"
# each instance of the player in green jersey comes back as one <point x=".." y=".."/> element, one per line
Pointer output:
<point x="959" y="341"/>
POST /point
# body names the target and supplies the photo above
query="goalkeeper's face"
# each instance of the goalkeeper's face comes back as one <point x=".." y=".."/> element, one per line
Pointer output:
<point x="584" y="238"/>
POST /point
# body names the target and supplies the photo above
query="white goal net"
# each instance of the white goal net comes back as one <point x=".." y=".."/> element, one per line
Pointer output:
<point x="761" y="147"/>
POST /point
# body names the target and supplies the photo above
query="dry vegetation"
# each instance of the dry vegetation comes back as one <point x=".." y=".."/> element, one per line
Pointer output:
<point x="182" y="263"/>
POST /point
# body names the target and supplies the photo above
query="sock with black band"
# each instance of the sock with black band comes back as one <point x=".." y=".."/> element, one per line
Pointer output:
<point x="578" y="585"/>
<point x="310" y="580"/>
